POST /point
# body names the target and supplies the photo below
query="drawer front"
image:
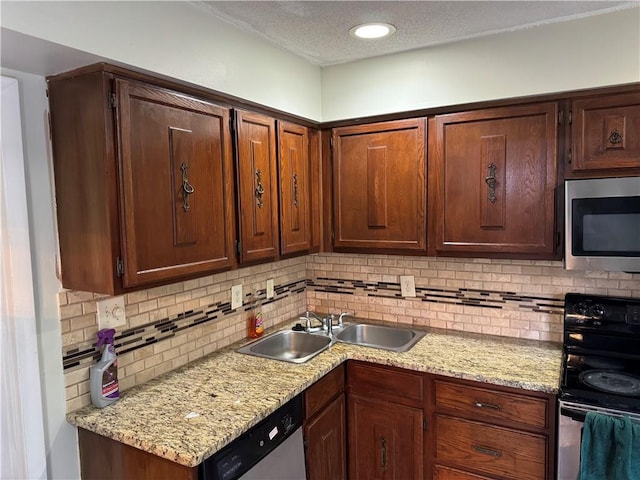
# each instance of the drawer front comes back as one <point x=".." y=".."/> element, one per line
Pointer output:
<point x="490" y="450"/>
<point x="446" y="473"/>
<point x="392" y="384"/>
<point x="321" y="392"/>
<point x="487" y="405"/>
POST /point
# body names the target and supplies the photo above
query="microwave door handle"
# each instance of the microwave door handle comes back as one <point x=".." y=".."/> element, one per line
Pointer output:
<point x="577" y="415"/>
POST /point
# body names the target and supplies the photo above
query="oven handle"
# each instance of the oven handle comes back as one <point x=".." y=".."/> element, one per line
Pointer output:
<point x="577" y="415"/>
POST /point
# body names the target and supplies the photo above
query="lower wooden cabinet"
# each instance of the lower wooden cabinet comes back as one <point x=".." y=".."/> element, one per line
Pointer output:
<point x="446" y="473"/>
<point x="105" y="459"/>
<point x="385" y="440"/>
<point x="504" y="452"/>
<point x="324" y="428"/>
<point x="325" y="443"/>
<point x="385" y="417"/>
<point x="482" y="431"/>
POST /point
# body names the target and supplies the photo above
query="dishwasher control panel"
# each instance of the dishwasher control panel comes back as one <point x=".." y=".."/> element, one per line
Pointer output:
<point x="242" y="454"/>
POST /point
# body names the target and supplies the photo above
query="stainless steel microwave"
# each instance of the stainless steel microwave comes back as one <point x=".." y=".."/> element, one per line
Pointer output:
<point x="602" y="224"/>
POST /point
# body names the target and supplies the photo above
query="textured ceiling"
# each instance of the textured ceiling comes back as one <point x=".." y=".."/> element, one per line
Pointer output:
<point x="319" y="31"/>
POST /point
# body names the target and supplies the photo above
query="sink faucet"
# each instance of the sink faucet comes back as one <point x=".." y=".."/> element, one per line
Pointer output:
<point x="328" y="320"/>
<point x="342" y="315"/>
<point x="307" y="317"/>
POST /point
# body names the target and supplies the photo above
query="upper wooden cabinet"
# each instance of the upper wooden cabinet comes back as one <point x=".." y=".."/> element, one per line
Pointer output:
<point x="492" y="182"/>
<point x="274" y="174"/>
<point x="379" y="182"/>
<point x="257" y="187"/>
<point x="144" y="183"/>
<point x="295" y="188"/>
<point x="605" y="136"/>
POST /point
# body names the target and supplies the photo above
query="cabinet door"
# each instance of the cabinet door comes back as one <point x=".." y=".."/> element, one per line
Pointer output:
<point x="176" y="184"/>
<point x="257" y="187"/>
<point x="385" y="440"/>
<point x="605" y="134"/>
<point x="325" y="443"/>
<point x="379" y="187"/>
<point x="293" y="170"/>
<point x="492" y="182"/>
<point x="107" y="459"/>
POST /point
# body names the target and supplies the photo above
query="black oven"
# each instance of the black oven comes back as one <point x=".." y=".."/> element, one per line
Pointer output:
<point x="600" y="368"/>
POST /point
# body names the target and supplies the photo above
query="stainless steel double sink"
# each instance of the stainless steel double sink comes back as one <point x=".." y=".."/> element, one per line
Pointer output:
<point x="300" y="346"/>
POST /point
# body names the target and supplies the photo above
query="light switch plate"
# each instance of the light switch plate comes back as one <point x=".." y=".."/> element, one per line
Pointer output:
<point x="407" y="286"/>
<point x="111" y="312"/>
<point x="236" y="296"/>
<point x="270" y="292"/>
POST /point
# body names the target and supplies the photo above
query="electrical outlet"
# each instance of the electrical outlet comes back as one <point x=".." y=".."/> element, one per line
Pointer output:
<point x="407" y="286"/>
<point x="111" y="313"/>
<point x="270" y="292"/>
<point x="236" y="296"/>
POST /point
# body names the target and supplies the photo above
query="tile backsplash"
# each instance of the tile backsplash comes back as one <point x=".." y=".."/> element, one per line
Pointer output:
<point x="172" y="325"/>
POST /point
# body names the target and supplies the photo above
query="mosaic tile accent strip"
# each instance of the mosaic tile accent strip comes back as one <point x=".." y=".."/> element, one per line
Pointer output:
<point x="460" y="296"/>
<point x="166" y="328"/>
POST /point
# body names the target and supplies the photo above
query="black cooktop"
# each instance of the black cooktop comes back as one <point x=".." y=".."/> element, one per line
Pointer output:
<point x="601" y="351"/>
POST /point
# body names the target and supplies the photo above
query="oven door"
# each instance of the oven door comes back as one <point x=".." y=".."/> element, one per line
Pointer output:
<point x="570" y="421"/>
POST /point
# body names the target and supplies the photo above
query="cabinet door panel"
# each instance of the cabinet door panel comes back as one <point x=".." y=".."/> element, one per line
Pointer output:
<point x="176" y="191"/>
<point x="293" y="169"/>
<point x="257" y="187"/>
<point x="379" y="187"/>
<point x="385" y="440"/>
<point x="493" y="179"/>
<point x="326" y="445"/>
<point x="605" y="133"/>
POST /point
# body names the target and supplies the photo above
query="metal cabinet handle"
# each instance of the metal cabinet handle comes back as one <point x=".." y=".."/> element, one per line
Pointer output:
<point x="383" y="454"/>
<point x="487" y="451"/>
<point x="259" y="188"/>
<point x="487" y="405"/>
<point x="295" y="190"/>
<point x="490" y="180"/>
<point x="187" y="188"/>
<point x="615" y="137"/>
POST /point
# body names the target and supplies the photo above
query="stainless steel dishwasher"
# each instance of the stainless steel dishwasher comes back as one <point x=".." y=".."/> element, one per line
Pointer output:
<point x="272" y="450"/>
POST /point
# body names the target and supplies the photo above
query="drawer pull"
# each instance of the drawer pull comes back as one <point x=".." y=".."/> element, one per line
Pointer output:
<point x="383" y="454"/>
<point x="259" y="188"/>
<point x="187" y="188"/>
<point x="295" y="190"/>
<point x="487" y="451"/>
<point x="487" y="405"/>
<point x="491" y="182"/>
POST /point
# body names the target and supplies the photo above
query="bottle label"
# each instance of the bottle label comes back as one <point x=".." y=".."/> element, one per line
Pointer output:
<point x="110" y="381"/>
<point x="259" y="326"/>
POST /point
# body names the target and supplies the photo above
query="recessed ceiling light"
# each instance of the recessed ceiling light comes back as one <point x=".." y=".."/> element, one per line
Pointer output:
<point x="372" y="30"/>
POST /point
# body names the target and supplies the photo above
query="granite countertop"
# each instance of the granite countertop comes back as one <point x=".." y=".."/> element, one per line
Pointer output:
<point x="191" y="413"/>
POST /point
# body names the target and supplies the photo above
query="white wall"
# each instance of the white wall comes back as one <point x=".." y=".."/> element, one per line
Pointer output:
<point x="590" y="52"/>
<point x="61" y="442"/>
<point x="176" y="39"/>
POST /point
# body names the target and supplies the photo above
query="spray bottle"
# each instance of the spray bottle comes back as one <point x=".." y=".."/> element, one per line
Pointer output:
<point x="104" y="374"/>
